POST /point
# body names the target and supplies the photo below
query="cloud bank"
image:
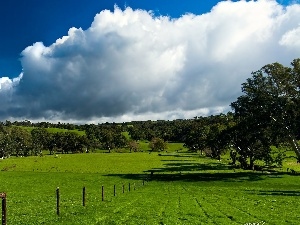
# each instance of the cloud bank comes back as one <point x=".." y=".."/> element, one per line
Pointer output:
<point x="132" y="65"/>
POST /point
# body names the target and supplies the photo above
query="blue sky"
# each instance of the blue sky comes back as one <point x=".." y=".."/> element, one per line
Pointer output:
<point x="97" y="62"/>
<point x="26" y="22"/>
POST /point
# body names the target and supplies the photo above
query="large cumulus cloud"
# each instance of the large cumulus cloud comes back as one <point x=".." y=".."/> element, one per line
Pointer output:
<point x="132" y="65"/>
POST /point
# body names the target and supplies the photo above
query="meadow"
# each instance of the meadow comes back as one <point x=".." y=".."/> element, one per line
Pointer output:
<point x="185" y="188"/>
<point x="55" y="130"/>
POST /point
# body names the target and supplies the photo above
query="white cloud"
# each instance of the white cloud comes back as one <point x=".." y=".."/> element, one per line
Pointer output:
<point x="130" y="64"/>
<point x="7" y="84"/>
<point x="291" y="38"/>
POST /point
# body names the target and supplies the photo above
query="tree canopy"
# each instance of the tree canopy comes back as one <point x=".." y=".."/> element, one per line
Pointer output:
<point x="268" y="111"/>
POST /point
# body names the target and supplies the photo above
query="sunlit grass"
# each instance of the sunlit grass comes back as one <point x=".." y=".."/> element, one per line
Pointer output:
<point x="55" y="130"/>
<point x="185" y="189"/>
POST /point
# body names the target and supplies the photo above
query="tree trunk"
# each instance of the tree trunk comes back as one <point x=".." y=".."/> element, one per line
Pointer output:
<point x="243" y="162"/>
<point x="251" y="165"/>
<point x="292" y="141"/>
<point x="295" y="146"/>
<point x="233" y="157"/>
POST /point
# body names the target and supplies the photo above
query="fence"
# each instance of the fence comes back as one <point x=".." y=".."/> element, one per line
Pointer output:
<point x="84" y="194"/>
<point x="3" y="196"/>
<point x="58" y="198"/>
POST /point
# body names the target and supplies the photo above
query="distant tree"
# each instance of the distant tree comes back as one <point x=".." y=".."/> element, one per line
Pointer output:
<point x="21" y="141"/>
<point x="133" y="146"/>
<point x="72" y="142"/>
<point x="40" y="139"/>
<point x="197" y="137"/>
<point x="157" y="144"/>
<point x="136" y="133"/>
<point x="51" y="143"/>
<point x="7" y="123"/>
<point x="5" y="143"/>
<point x="92" y="143"/>
<point x="107" y="140"/>
<point x="120" y="140"/>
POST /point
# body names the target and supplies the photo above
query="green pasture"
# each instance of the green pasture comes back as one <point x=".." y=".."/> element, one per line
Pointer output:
<point x="55" y="130"/>
<point x="185" y="188"/>
<point x="171" y="147"/>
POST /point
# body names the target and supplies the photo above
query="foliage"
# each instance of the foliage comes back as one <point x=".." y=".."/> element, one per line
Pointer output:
<point x="40" y="139"/>
<point x="133" y="146"/>
<point x="268" y="112"/>
<point x="18" y="141"/>
<point x="157" y="144"/>
<point x="107" y="136"/>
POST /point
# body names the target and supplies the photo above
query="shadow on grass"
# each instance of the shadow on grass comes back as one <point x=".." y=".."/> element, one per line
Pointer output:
<point x="278" y="193"/>
<point x="177" y="160"/>
<point x="190" y="170"/>
<point x="194" y="177"/>
<point x="182" y="155"/>
<point x="186" y="166"/>
<point x="193" y="172"/>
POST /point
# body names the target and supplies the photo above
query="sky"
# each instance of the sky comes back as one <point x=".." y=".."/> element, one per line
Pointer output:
<point x="115" y="61"/>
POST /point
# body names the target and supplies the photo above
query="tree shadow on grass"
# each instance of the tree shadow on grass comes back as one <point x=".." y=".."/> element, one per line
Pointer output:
<point x="195" y="177"/>
<point x="177" y="160"/>
<point x="277" y="192"/>
<point x="189" y="167"/>
<point x="182" y="155"/>
<point x="194" y="171"/>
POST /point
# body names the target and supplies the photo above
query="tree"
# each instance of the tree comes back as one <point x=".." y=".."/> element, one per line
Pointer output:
<point x="136" y="133"/>
<point x="214" y="140"/>
<point x="268" y="111"/>
<point x="157" y="144"/>
<point x="72" y="142"/>
<point x="21" y="141"/>
<point x="196" y="139"/>
<point x="107" y="140"/>
<point x="40" y="138"/>
<point x="133" y="146"/>
<point x="51" y="144"/>
<point x="5" y="142"/>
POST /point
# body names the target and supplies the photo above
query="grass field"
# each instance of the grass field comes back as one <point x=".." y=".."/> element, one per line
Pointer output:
<point x="184" y="189"/>
<point x="55" y="130"/>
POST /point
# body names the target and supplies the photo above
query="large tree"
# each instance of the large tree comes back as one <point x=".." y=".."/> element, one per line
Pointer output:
<point x="269" y="108"/>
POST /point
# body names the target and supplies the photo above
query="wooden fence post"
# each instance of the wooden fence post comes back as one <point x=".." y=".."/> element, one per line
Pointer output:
<point x="83" y="196"/>
<point x="123" y="188"/>
<point x="129" y="187"/>
<point x="3" y="196"/>
<point x="102" y="193"/>
<point x="57" y="201"/>
<point x="114" y="190"/>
